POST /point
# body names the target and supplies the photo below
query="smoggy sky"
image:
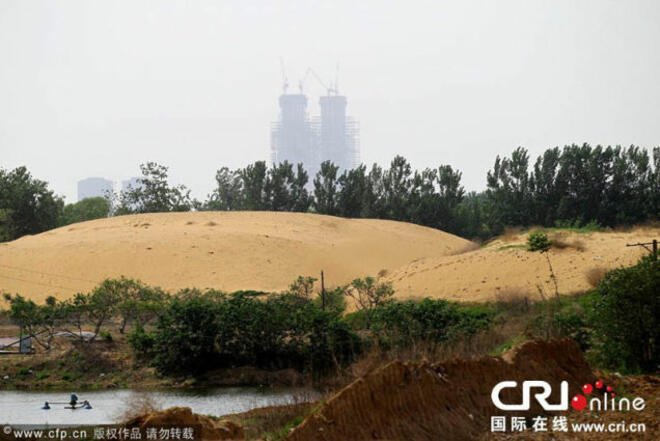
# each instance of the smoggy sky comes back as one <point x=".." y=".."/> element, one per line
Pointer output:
<point x="93" y="88"/>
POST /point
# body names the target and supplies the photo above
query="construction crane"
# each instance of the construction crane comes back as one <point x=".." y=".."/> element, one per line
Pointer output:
<point x="285" y="81"/>
<point x="329" y="90"/>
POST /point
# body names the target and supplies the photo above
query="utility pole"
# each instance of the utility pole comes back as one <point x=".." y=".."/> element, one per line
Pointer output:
<point x="322" y="291"/>
<point x="653" y="250"/>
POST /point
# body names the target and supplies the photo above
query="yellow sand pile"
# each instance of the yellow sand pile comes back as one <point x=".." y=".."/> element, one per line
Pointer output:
<point x="504" y="269"/>
<point x="267" y="251"/>
<point x="228" y="251"/>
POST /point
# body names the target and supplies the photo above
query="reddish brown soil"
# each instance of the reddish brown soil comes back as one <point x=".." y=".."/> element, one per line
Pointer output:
<point x="183" y="417"/>
<point x="449" y="400"/>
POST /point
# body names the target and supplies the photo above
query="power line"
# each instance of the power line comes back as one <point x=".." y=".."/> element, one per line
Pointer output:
<point x="37" y="283"/>
<point x="47" y="274"/>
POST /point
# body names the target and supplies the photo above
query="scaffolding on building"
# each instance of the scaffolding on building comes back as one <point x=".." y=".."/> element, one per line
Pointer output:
<point x="331" y="136"/>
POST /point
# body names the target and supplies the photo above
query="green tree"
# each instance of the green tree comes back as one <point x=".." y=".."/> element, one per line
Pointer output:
<point x="369" y="294"/>
<point x="509" y="188"/>
<point x="626" y="313"/>
<point x="332" y="300"/>
<point x="278" y="187"/>
<point x="101" y="304"/>
<point x="185" y="336"/>
<point x="325" y="189"/>
<point x="153" y="193"/>
<point x="353" y="194"/>
<point x="302" y="287"/>
<point x="397" y="186"/>
<point x="545" y="187"/>
<point x="537" y="241"/>
<point x="84" y="210"/>
<point x="27" y="206"/>
<point x="37" y="321"/>
<point x="299" y="193"/>
<point x="655" y="184"/>
<point x="253" y="178"/>
<point x="138" y="303"/>
<point x="228" y="192"/>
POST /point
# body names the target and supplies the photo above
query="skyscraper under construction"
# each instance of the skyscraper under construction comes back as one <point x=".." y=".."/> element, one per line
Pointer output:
<point x="298" y="139"/>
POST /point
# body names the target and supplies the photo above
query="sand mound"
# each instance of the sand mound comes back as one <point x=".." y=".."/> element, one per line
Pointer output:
<point x="420" y="401"/>
<point x="182" y="417"/>
<point x="223" y="250"/>
<point x="504" y="268"/>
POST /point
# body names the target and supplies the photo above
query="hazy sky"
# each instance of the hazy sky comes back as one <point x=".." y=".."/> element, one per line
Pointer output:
<point x="93" y="88"/>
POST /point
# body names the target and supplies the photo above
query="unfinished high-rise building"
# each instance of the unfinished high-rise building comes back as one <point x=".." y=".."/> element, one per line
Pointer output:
<point x="332" y="136"/>
<point x="337" y="133"/>
<point x="292" y="137"/>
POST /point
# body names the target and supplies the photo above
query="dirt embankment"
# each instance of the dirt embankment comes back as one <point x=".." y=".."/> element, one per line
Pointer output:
<point x="184" y="417"/>
<point x="450" y="400"/>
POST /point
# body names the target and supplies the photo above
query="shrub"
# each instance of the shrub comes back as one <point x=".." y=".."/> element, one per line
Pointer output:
<point x="538" y="241"/>
<point x="626" y="317"/>
<point x="368" y="294"/>
<point x="334" y="300"/>
<point x="434" y="321"/>
<point x="141" y="341"/>
<point x="197" y="332"/>
<point x="42" y="375"/>
<point x="184" y="340"/>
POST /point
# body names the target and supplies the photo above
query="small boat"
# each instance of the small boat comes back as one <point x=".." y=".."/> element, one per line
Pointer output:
<point x="72" y="404"/>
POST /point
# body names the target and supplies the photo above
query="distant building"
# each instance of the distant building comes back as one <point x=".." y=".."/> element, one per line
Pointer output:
<point x="131" y="182"/>
<point x="94" y="187"/>
<point x="332" y="136"/>
<point x="338" y="134"/>
<point x="293" y="137"/>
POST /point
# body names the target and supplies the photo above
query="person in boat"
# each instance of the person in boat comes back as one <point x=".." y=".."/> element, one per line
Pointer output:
<point x="74" y="401"/>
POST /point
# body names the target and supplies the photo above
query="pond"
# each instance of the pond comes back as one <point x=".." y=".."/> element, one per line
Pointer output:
<point x="23" y="407"/>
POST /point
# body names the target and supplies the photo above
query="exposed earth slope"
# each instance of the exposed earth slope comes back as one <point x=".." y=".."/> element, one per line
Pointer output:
<point x="449" y="400"/>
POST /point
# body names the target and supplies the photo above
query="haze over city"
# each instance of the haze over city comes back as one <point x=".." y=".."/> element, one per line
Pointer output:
<point x="95" y="88"/>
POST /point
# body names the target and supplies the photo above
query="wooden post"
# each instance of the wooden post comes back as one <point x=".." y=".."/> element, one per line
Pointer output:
<point x="322" y="291"/>
<point x="653" y="250"/>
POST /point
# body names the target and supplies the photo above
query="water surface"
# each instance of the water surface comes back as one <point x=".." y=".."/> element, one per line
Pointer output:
<point x="23" y="407"/>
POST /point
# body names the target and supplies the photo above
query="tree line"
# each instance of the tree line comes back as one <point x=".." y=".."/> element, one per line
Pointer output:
<point x="574" y="185"/>
<point x="192" y="331"/>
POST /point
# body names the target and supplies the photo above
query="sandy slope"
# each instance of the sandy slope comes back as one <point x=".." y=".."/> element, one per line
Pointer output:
<point x="504" y="267"/>
<point x="229" y="251"/>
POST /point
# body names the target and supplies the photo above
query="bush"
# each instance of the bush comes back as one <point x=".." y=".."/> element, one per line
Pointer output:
<point x="334" y="300"/>
<point x="538" y="241"/>
<point x="435" y="321"/>
<point x="184" y="340"/>
<point x="626" y="318"/>
<point x="141" y="341"/>
<point x="198" y="332"/>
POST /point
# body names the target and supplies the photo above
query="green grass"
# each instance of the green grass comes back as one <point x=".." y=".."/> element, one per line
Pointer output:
<point x="507" y="247"/>
<point x="281" y="434"/>
<point x="71" y="376"/>
<point x="42" y="375"/>
<point x="508" y="345"/>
